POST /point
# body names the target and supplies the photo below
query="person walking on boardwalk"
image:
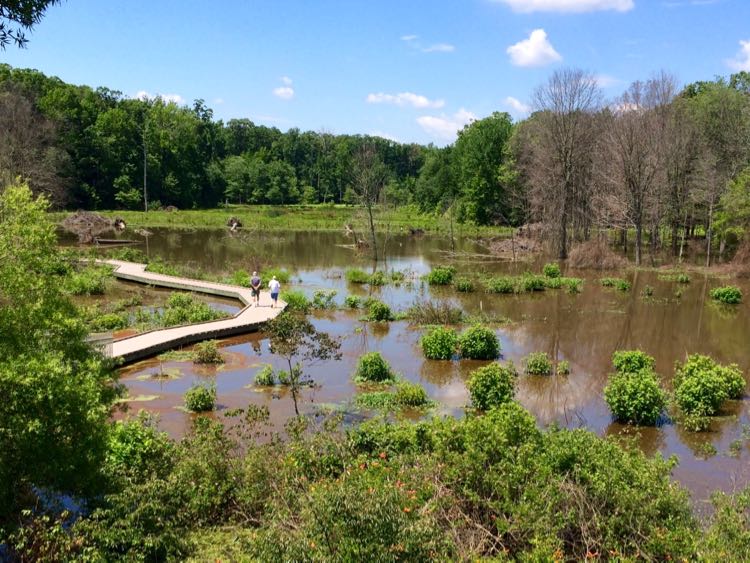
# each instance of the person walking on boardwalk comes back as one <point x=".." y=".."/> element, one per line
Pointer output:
<point x="274" y="286"/>
<point x="255" y="287"/>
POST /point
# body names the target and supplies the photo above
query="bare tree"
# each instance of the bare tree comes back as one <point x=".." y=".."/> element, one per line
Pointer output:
<point x="369" y="178"/>
<point x="28" y="147"/>
<point x="557" y="149"/>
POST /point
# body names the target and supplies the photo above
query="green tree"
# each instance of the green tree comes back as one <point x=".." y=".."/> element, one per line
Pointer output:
<point x="19" y="16"/>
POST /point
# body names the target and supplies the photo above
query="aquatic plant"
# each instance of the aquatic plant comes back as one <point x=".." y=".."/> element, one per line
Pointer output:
<point x="109" y="321"/>
<point x="701" y="387"/>
<point x="563" y="367"/>
<point x="464" y="285"/>
<point x="265" y="376"/>
<point x="200" y="398"/>
<point x="378" y="311"/>
<point x="618" y="283"/>
<point x="89" y="281"/>
<point x="207" y="353"/>
<point x="552" y="270"/>
<point x="353" y="301"/>
<point x="503" y="284"/>
<point x="631" y="361"/>
<point x="439" y="343"/>
<point x="295" y="300"/>
<point x="538" y="363"/>
<point x="442" y="275"/>
<point x="491" y="386"/>
<point x="729" y="294"/>
<point x="435" y="313"/>
<point x="372" y="368"/>
<point x="410" y="394"/>
<point x="355" y="275"/>
<point x="479" y="343"/>
<point x="324" y="299"/>
<point x="635" y="397"/>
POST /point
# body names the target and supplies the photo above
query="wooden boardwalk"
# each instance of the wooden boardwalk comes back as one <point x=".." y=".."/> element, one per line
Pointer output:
<point x="146" y="344"/>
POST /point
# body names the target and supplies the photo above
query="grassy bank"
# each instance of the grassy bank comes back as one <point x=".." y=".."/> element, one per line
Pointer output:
<point x="295" y="218"/>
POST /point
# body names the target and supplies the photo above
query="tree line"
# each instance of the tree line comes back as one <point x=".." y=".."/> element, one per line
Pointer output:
<point x="659" y="163"/>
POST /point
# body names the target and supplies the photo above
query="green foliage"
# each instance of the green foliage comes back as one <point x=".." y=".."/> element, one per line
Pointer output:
<point x="573" y="285"/>
<point x="353" y="301"/>
<point x="442" y="275"/>
<point x="493" y="385"/>
<point x="435" y="313"/>
<point x="410" y="394"/>
<point x="267" y="274"/>
<point x="728" y="534"/>
<point x="632" y="361"/>
<point x="89" y="281"/>
<point x="678" y="277"/>
<point x="200" y="398"/>
<point x="109" y="321"/>
<point x="563" y="367"/>
<point x="324" y="299"/>
<point x="182" y="309"/>
<point x="618" y="283"/>
<point x="296" y="300"/>
<point x="531" y="282"/>
<point x="355" y="275"/>
<point x="729" y="295"/>
<point x="207" y="353"/>
<point x="377" y="311"/>
<point x="377" y="278"/>
<point x="635" y="396"/>
<point x="241" y="278"/>
<point x="372" y="368"/>
<point x="538" y="363"/>
<point x="406" y="395"/>
<point x="265" y="376"/>
<point x="439" y="343"/>
<point x="502" y="284"/>
<point x="479" y="343"/>
<point x="464" y="285"/>
<point x="704" y="373"/>
<point x="552" y="270"/>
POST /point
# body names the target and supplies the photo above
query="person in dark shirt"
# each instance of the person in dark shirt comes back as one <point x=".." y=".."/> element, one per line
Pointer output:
<point x="255" y="287"/>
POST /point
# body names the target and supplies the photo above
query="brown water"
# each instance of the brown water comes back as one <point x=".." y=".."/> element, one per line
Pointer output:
<point x="584" y="329"/>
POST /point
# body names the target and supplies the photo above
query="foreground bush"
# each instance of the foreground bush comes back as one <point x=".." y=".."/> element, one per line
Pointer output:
<point x="538" y="363"/>
<point x="89" y="281"/>
<point x="372" y="368"/>
<point x="207" y="353"/>
<point x="479" y="343"/>
<point x="729" y="295"/>
<point x="702" y="385"/>
<point x="635" y="397"/>
<point x="439" y="343"/>
<point x="631" y="361"/>
<point x="492" y="386"/>
<point x="200" y="398"/>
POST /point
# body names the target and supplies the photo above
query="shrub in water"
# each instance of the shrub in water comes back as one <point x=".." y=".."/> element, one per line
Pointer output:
<point x="183" y="308"/>
<point x="372" y="368"/>
<point x="353" y="301"/>
<point x="109" y="321"/>
<point x="618" y="283"/>
<point x="631" y="361"/>
<point x="552" y="270"/>
<point x="265" y="376"/>
<point x="435" y="313"/>
<point x="324" y="299"/>
<point x="700" y="389"/>
<point x="200" y="398"/>
<point x="538" y="363"/>
<point x="729" y="295"/>
<point x="355" y="275"/>
<point x="207" y="353"/>
<point x="491" y="386"/>
<point x="440" y="343"/>
<point x="573" y="285"/>
<point x="267" y="274"/>
<point x="378" y="311"/>
<point x="91" y="281"/>
<point x="377" y="278"/>
<point x="635" y="397"/>
<point x="410" y="394"/>
<point x="500" y="285"/>
<point x="531" y="282"/>
<point x="442" y="275"/>
<point x="397" y="276"/>
<point x="295" y="300"/>
<point x="464" y="285"/>
<point x="698" y="364"/>
<point x="479" y="343"/>
<point x="563" y="367"/>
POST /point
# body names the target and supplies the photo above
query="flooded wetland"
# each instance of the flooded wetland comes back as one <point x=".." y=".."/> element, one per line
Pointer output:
<point x="666" y="319"/>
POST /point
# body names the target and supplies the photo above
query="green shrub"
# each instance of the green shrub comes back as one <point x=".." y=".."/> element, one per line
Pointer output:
<point x="464" y="285"/>
<point x="618" y="283"/>
<point x="181" y="309"/>
<point x="90" y="281"/>
<point x="439" y="343"/>
<point x="552" y="270"/>
<point x="435" y="313"/>
<point x="702" y="385"/>
<point x="635" y="397"/>
<point x="324" y="299"/>
<point x="355" y="275"/>
<point x="353" y="301"/>
<point x="295" y="300"/>
<point x="442" y="275"/>
<point x="377" y="278"/>
<point x="632" y="361"/>
<point x="538" y="363"/>
<point x="372" y="368"/>
<point x="479" y="343"/>
<point x="563" y="367"/>
<point x="410" y="394"/>
<point x="283" y="276"/>
<point x="502" y="284"/>
<point x="207" y="353"/>
<point x="697" y="365"/>
<point x="553" y="283"/>
<point x="377" y="311"/>
<point x="729" y="295"/>
<point x="530" y="283"/>
<point x="679" y="277"/>
<point x="241" y="278"/>
<point x="265" y="376"/>
<point x="573" y="285"/>
<point x="109" y="321"/>
<point x="397" y="276"/>
<point x="200" y="398"/>
<point x="648" y="291"/>
<point x="491" y="386"/>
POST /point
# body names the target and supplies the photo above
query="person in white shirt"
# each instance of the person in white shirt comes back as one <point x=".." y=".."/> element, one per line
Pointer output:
<point x="274" y="286"/>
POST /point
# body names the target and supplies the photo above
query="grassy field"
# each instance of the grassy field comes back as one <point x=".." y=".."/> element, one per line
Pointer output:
<point x="296" y="218"/>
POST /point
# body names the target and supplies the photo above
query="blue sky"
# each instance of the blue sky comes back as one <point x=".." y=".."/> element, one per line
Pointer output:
<point x="411" y="70"/>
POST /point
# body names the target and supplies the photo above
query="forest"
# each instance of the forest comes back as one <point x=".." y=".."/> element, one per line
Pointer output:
<point x="658" y="164"/>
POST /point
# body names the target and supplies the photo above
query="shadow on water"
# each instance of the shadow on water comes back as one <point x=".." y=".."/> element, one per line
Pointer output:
<point x="584" y="329"/>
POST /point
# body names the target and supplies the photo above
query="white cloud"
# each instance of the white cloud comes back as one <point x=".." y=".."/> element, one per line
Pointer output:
<point x="517" y="105"/>
<point x="577" y="6"/>
<point x="284" y="92"/>
<point x="606" y="81"/>
<point x="446" y="127"/>
<point x="218" y="101"/>
<point x="409" y="37"/>
<point x="286" y="80"/>
<point x="534" y="51"/>
<point x="404" y="99"/>
<point x="168" y="98"/>
<point x="383" y="135"/>
<point x="439" y="48"/>
<point x="742" y="60"/>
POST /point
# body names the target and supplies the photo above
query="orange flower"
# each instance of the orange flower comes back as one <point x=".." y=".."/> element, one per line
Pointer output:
<point x="407" y="509"/>
<point x="383" y="455"/>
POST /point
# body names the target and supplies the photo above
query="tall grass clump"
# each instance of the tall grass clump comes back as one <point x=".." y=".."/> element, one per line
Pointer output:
<point x="200" y="398"/>
<point x="89" y="281"/>
<point x="729" y="295"/>
<point x="184" y="308"/>
<point x="353" y="301"/>
<point x="207" y="353"/>
<point x="502" y="284"/>
<point x="617" y="283"/>
<point x="296" y="300"/>
<point x="464" y="285"/>
<point x="435" y="313"/>
<point x="479" y="343"/>
<point x="265" y="376"/>
<point x="355" y="275"/>
<point x="552" y="270"/>
<point x="538" y="363"/>
<point x="439" y="343"/>
<point x="372" y="368"/>
<point x="442" y="275"/>
<point x="377" y="311"/>
<point x="491" y="386"/>
<point x="266" y="275"/>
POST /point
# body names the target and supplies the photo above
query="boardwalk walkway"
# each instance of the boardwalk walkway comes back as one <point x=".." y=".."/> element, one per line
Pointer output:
<point x="146" y="344"/>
